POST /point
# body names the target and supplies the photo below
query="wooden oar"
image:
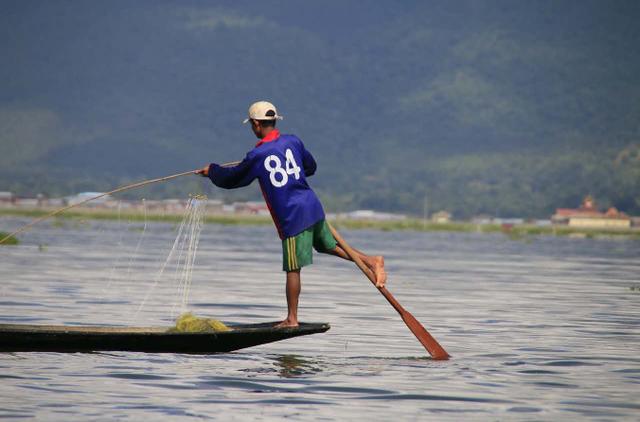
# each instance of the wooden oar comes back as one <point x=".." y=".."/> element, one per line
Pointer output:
<point x="436" y="351"/>
<point x="120" y="189"/>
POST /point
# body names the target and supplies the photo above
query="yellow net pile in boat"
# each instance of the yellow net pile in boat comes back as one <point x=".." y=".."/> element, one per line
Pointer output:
<point x="189" y="323"/>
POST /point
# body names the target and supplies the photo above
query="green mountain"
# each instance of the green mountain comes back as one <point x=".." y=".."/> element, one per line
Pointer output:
<point x="499" y="107"/>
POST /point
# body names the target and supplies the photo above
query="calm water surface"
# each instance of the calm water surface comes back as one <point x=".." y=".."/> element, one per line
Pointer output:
<point x="546" y="329"/>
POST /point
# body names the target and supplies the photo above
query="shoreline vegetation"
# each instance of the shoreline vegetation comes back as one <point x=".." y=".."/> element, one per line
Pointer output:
<point x="10" y="241"/>
<point x="515" y="232"/>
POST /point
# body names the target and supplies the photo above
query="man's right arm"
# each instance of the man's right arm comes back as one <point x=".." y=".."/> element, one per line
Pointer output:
<point x="231" y="177"/>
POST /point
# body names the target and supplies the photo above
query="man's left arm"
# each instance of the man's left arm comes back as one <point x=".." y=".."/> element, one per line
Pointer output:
<point x="308" y="162"/>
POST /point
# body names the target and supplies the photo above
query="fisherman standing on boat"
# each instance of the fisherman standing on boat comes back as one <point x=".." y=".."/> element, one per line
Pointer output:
<point x="296" y="210"/>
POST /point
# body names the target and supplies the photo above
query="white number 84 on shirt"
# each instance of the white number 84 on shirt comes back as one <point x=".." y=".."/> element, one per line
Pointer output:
<point x="280" y="176"/>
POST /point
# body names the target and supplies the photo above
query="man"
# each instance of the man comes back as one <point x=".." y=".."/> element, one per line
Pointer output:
<point x="282" y="164"/>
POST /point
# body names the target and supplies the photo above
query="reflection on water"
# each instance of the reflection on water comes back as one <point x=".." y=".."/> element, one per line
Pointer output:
<point x="290" y="366"/>
<point x="545" y="329"/>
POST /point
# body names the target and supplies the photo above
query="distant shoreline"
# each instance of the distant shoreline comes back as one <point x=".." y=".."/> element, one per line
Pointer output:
<point x="408" y="224"/>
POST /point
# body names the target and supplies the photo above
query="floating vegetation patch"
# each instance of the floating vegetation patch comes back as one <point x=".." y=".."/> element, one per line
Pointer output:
<point x="189" y="323"/>
<point x="12" y="240"/>
<point x="58" y="223"/>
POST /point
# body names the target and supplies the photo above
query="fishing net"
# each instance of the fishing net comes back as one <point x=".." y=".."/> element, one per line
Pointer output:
<point x="183" y="253"/>
<point x="172" y="282"/>
<point x="189" y="323"/>
<point x="124" y="252"/>
<point x="178" y="266"/>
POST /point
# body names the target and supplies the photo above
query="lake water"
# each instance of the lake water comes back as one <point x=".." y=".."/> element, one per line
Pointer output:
<point x="545" y="329"/>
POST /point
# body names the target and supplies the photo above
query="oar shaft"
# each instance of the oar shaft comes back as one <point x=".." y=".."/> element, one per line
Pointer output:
<point x="430" y="344"/>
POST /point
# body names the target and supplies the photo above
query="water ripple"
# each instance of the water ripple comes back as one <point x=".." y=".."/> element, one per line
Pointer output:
<point x="545" y="330"/>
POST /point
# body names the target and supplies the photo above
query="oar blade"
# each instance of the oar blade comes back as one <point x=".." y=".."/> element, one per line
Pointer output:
<point x="436" y="351"/>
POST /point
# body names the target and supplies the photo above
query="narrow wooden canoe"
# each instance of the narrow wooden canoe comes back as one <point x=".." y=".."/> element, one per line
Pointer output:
<point x="61" y="338"/>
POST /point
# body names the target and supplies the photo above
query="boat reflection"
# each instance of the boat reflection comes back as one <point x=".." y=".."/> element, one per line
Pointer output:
<point x="291" y="366"/>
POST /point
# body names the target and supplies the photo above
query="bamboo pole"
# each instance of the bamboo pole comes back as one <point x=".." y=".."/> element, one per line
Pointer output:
<point x="117" y="190"/>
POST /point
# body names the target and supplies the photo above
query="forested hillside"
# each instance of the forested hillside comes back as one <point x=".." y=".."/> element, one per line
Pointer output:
<point x="499" y="107"/>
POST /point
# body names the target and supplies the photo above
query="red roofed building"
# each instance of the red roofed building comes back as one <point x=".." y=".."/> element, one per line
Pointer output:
<point x="588" y="216"/>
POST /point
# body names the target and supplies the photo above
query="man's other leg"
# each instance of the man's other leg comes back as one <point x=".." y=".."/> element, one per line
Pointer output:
<point x="374" y="263"/>
<point x="323" y="241"/>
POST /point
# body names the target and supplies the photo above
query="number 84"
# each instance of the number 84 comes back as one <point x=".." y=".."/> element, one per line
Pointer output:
<point x="274" y="166"/>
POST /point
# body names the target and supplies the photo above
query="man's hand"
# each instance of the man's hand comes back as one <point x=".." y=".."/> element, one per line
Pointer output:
<point x="204" y="172"/>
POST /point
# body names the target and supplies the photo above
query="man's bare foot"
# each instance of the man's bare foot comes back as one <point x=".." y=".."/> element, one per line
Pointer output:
<point x="287" y="323"/>
<point x="378" y="269"/>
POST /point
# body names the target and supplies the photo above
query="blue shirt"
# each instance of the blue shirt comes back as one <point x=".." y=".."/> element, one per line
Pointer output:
<point x="281" y="164"/>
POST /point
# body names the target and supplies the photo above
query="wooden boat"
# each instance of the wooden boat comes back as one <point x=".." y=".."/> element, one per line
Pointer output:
<point x="62" y="338"/>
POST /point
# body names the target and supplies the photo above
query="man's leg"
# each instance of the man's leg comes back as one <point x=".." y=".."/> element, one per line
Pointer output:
<point x="296" y="253"/>
<point x="293" y="293"/>
<point x="326" y="243"/>
<point x="375" y="263"/>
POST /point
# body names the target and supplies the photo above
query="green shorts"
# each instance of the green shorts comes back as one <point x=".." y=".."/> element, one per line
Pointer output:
<point x="296" y="250"/>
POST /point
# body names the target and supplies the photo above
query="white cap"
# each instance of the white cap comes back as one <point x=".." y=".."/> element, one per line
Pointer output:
<point x="262" y="110"/>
